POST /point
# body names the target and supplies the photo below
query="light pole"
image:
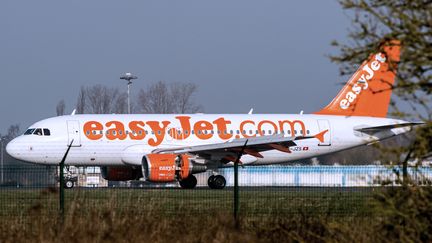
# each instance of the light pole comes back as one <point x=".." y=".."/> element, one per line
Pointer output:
<point x="128" y="77"/>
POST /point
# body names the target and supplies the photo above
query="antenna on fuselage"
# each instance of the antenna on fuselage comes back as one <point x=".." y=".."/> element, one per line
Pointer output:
<point x="73" y="112"/>
<point x="250" y="112"/>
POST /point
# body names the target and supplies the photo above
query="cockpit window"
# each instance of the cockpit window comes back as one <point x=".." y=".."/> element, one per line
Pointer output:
<point x="38" y="132"/>
<point x="29" y="131"/>
<point x="46" y="132"/>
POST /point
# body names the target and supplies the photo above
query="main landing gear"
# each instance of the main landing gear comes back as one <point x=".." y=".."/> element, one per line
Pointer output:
<point x="216" y="182"/>
<point x="189" y="183"/>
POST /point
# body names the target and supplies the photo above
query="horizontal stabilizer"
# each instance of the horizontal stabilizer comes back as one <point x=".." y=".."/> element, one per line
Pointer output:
<point x="387" y="127"/>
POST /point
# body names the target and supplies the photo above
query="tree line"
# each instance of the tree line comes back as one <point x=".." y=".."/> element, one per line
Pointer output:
<point x="158" y="98"/>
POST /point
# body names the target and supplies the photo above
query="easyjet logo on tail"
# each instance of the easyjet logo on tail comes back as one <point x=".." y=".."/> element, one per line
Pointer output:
<point x="373" y="80"/>
<point x="367" y="73"/>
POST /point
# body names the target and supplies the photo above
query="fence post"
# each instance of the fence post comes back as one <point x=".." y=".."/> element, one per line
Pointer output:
<point x="236" y="191"/>
<point x="236" y="186"/>
<point x="62" y="185"/>
<point x="62" y="182"/>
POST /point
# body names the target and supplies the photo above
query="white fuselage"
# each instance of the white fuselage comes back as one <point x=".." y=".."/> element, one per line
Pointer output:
<point x="115" y="140"/>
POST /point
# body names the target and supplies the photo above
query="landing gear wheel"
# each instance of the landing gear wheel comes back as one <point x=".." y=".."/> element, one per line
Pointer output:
<point x="189" y="183"/>
<point x="210" y="181"/>
<point x="68" y="184"/>
<point x="216" y="182"/>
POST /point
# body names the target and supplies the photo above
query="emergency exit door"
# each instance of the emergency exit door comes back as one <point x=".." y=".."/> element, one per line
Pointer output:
<point x="74" y="133"/>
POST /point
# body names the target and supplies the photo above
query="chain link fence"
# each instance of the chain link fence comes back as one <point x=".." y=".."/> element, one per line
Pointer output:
<point x="264" y="190"/>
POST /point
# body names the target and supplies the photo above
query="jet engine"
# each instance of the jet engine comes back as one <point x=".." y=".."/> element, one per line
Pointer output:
<point x="169" y="167"/>
<point x="114" y="173"/>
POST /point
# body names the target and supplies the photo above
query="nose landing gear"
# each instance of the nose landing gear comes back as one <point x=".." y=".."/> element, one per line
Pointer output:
<point x="216" y="182"/>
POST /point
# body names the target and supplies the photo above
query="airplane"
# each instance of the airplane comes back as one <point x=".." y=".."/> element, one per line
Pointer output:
<point x="164" y="148"/>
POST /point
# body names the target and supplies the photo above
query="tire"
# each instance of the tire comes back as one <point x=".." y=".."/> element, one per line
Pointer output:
<point x="69" y="184"/>
<point x="210" y="181"/>
<point x="217" y="182"/>
<point x="189" y="183"/>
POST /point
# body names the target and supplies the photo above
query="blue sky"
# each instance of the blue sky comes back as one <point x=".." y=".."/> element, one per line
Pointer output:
<point x="266" y="55"/>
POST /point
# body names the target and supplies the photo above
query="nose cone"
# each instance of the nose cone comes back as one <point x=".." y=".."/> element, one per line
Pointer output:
<point x="12" y="149"/>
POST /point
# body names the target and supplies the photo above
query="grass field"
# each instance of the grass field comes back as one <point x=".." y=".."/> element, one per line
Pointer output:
<point x="253" y="201"/>
<point x="202" y="215"/>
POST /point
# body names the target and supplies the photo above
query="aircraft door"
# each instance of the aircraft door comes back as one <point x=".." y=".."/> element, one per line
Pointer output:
<point x="325" y="125"/>
<point x="74" y="133"/>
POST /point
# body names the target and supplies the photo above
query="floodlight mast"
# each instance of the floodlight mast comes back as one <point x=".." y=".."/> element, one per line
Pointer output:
<point x="128" y="77"/>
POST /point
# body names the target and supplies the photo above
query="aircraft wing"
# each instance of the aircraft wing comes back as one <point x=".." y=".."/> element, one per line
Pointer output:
<point x="254" y="146"/>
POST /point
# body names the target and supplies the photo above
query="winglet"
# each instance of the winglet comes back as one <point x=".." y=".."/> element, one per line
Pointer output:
<point x="320" y="136"/>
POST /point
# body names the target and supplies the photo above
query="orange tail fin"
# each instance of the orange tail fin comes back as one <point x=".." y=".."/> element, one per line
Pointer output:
<point x="368" y="91"/>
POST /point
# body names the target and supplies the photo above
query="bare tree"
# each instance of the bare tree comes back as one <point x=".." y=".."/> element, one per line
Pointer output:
<point x="121" y="106"/>
<point x="81" y="103"/>
<point x="60" y="108"/>
<point x="164" y="98"/>
<point x="156" y="99"/>
<point x="99" y="99"/>
<point x="182" y="94"/>
<point x="13" y="132"/>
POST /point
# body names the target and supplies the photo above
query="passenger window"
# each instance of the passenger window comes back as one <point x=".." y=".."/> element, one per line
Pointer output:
<point x="29" y="131"/>
<point x="38" y="132"/>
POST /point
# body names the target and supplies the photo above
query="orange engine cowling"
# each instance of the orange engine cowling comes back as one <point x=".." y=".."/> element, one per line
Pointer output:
<point x="169" y="167"/>
<point x="114" y="173"/>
